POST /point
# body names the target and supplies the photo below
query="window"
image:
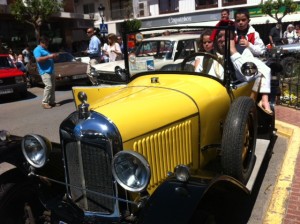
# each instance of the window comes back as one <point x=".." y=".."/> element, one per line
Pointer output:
<point x="233" y="2"/>
<point x="88" y="8"/>
<point x="168" y="6"/>
<point x="121" y="9"/>
<point x="203" y="4"/>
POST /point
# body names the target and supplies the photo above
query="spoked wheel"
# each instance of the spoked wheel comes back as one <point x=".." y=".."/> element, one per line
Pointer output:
<point x="239" y="139"/>
<point x="289" y="66"/>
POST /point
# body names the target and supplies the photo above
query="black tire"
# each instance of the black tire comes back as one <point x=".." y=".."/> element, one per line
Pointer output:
<point x="289" y="65"/>
<point x="239" y="139"/>
<point x="15" y="196"/>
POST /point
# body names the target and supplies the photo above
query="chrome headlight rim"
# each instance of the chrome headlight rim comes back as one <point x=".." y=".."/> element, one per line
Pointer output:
<point x="45" y="149"/>
<point x="144" y="164"/>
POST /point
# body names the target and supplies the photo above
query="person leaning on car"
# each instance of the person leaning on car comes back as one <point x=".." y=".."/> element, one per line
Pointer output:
<point x="45" y="64"/>
<point x="93" y="51"/>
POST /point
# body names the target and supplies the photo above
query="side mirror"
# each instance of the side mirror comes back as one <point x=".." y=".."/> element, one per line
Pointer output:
<point x="249" y="69"/>
<point x="121" y="73"/>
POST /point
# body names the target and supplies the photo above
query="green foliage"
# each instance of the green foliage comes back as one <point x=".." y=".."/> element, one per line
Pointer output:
<point x="275" y="7"/>
<point x="131" y="25"/>
<point x="34" y="12"/>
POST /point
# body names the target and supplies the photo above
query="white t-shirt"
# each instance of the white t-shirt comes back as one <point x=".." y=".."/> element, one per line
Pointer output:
<point x="111" y="53"/>
<point x="215" y="70"/>
<point x="290" y="36"/>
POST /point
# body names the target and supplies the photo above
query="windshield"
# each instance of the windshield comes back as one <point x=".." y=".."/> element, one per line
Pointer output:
<point x="64" y="57"/>
<point x="6" y="62"/>
<point x="158" y="49"/>
<point x="191" y="50"/>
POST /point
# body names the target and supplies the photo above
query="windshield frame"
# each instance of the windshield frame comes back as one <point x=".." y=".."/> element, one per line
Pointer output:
<point x="228" y="67"/>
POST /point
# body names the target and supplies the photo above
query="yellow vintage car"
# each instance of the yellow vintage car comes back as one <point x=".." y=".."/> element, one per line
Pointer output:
<point x="173" y="145"/>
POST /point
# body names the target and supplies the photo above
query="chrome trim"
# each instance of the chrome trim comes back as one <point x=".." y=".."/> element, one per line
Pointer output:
<point x="95" y="130"/>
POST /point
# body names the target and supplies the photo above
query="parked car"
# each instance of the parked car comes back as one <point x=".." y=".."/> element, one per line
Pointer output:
<point x="67" y="70"/>
<point x="12" y="80"/>
<point x="169" y="146"/>
<point x="162" y="49"/>
<point x="289" y="58"/>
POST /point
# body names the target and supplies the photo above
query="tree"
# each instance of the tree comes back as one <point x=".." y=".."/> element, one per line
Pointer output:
<point x="275" y="7"/>
<point x="34" y="12"/>
<point x="131" y="25"/>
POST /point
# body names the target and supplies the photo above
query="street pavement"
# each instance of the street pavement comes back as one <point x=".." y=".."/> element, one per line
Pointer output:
<point x="284" y="207"/>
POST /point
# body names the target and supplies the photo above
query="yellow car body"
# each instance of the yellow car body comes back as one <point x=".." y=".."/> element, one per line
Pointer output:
<point x="171" y="145"/>
<point x="149" y="115"/>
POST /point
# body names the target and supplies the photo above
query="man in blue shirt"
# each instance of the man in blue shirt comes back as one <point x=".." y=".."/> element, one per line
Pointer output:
<point x="45" y="64"/>
<point x="94" y="51"/>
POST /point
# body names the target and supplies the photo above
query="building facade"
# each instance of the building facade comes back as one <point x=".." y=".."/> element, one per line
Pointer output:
<point x="68" y="27"/>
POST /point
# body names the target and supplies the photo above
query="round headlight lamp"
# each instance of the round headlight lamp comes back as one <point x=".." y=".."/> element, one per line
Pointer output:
<point x="36" y="149"/>
<point x="131" y="170"/>
<point x="93" y="72"/>
<point x="182" y="173"/>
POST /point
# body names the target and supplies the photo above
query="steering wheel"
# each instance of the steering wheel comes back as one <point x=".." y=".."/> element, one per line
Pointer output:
<point x="193" y="56"/>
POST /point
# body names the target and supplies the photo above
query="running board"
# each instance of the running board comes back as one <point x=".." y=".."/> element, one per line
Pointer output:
<point x="260" y="152"/>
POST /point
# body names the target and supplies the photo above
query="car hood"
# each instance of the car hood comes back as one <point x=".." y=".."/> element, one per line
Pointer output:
<point x="10" y="72"/>
<point x="142" y="106"/>
<point x="110" y="66"/>
<point x="70" y="68"/>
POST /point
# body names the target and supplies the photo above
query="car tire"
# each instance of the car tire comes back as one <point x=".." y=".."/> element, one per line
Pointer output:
<point x="15" y="198"/>
<point x="289" y="65"/>
<point x="239" y="139"/>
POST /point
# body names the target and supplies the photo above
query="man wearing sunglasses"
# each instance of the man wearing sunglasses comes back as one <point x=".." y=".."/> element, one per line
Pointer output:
<point x="93" y="51"/>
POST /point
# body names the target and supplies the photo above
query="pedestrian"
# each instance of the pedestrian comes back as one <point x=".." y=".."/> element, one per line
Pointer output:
<point x="248" y="38"/>
<point x="290" y="36"/>
<point x="12" y="56"/>
<point x="225" y="14"/>
<point x="104" y="48"/>
<point x="120" y="42"/>
<point x="275" y="35"/>
<point x="45" y="64"/>
<point x="26" y="54"/>
<point x="166" y="33"/>
<point x="20" y="63"/>
<point x="114" y="50"/>
<point x="93" y="51"/>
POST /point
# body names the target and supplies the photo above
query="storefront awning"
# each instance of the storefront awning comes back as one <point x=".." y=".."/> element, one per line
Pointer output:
<point x="267" y="19"/>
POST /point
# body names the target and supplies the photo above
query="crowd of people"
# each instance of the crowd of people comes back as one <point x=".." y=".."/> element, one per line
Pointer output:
<point x="245" y="46"/>
<point x="290" y="36"/>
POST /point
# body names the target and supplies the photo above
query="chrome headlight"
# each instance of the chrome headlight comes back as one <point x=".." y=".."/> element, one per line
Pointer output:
<point x="182" y="173"/>
<point x="36" y="150"/>
<point x="93" y="72"/>
<point x="131" y="170"/>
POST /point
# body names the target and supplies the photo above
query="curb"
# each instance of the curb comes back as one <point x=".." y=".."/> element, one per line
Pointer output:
<point x="278" y="204"/>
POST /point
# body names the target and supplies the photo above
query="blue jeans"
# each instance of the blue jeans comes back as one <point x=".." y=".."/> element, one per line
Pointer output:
<point x="49" y="90"/>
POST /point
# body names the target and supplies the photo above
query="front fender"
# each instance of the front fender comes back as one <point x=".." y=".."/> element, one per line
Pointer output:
<point x="195" y="202"/>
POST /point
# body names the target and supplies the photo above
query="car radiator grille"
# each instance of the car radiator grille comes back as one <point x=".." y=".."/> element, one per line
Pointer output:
<point x="96" y="176"/>
<point x="7" y="81"/>
<point x="165" y="150"/>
